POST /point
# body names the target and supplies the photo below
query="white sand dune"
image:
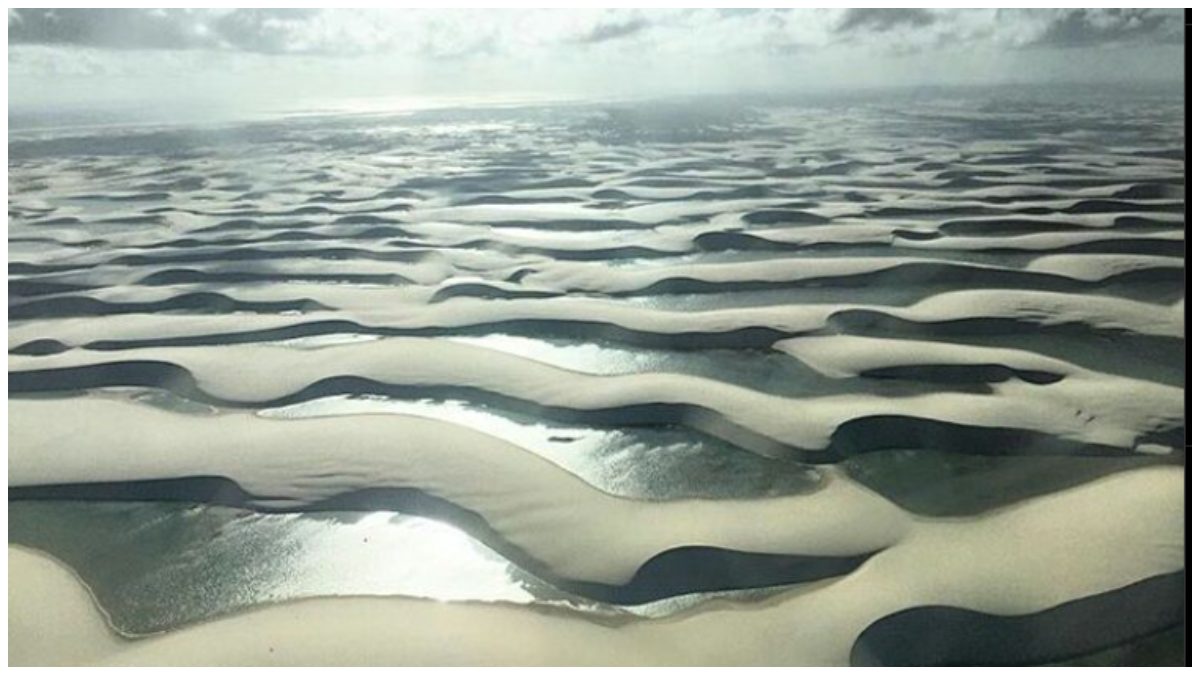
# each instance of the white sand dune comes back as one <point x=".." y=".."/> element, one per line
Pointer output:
<point x="603" y="279"/>
<point x="376" y="309"/>
<point x="1038" y="241"/>
<point x="1095" y="538"/>
<point x="597" y="537"/>
<point x="1091" y="409"/>
<point x="1131" y="403"/>
<point x="1096" y="267"/>
<point x="555" y="332"/>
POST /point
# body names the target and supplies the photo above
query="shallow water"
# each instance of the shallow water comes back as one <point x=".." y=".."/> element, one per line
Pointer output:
<point x="641" y="463"/>
<point x="213" y="560"/>
<point x="354" y="228"/>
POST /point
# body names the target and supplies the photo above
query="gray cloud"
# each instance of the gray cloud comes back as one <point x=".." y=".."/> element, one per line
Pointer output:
<point x="784" y="48"/>
<point x="75" y="53"/>
<point x="612" y="31"/>
<point x="736" y="12"/>
<point x="452" y="35"/>
<point x="880" y="20"/>
<point x="258" y="30"/>
<point x="1091" y="27"/>
<point x="255" y="30"/>
<point x="110" y="28"/>
<point x="265" y="31"/>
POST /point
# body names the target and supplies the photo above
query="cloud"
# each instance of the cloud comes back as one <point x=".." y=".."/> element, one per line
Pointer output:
<point x="786" y="48"/>
<point x="109" y="28"/>
<point x="255" y="30"/>
<point x="603" y="32"/>
<point x="440" y="35"/>
<point x="533" y="34"/>
<point x="259" y="30"/>
<point x="736" y="12"/>
<point x="881" y="20"/>
<point x="1092" y="27"/>
<point x="79" y="56"/>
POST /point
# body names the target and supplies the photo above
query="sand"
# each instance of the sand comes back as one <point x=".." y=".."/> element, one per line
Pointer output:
<point x="933" y="351"/>
<point x="1095" y="538"/>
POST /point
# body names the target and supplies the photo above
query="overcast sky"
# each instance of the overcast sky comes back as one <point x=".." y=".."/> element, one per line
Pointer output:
<point x="249" y="59"/>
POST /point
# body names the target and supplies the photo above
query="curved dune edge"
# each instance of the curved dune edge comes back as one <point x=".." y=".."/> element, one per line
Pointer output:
<point x="371" y="308"/>
<point x="302" y="462"/>
<point x="673" y="572"/>
<point x="519" y="494"/>
<point x="1033" y="235"/>
<point x="845" y="356"/>
<point x="1169" y="244"/>
<point x="1065" y="271"/>
<point x="201" y="303"/>
<point x="1122" y="401"/>
<point x="947" y="636"/>
<point x="53" y="617"/>
<point x="1095" y="538"/>
<point x="997" y="229"/>
<point x="1079" y="408"/>
<point x="367" y="227"/>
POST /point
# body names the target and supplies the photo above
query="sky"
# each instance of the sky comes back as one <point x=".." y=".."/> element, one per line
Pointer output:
<point x="231" y="60"/>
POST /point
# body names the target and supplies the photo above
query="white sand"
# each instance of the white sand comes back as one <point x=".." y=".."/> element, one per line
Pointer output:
<point x="401" y="308"/>
<point x="1097" y="537"/>
<point x="577" y="530"/>
<point x="852" y="167"/>
<point x="1087" y="409"/>
<point x="1100" y="399"/>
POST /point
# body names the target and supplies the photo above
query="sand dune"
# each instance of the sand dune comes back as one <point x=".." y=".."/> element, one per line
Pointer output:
<point x="785" y="385"/>
<point x="1021" y="562"/>
<point x="1084" y="409"/>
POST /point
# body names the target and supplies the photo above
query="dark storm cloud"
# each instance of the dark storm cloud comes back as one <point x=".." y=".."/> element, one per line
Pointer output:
<point x="612" y="31"/>
<point x="882" y="19"/>
<point x="1091" y="27"/>
<point x="257" y="30"/>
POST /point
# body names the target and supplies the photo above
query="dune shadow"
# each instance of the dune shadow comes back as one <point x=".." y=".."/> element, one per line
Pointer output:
<point x="951" y="636"/>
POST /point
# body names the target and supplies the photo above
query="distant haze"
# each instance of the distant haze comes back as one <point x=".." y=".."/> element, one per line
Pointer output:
<point x="223" y="62"/>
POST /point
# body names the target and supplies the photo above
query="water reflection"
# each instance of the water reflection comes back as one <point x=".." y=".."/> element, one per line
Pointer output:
<point x="155" y="566"/>
<point x="327" y="340"/>
<point x="762" y="370"/>
<point x="645" y="463"/>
